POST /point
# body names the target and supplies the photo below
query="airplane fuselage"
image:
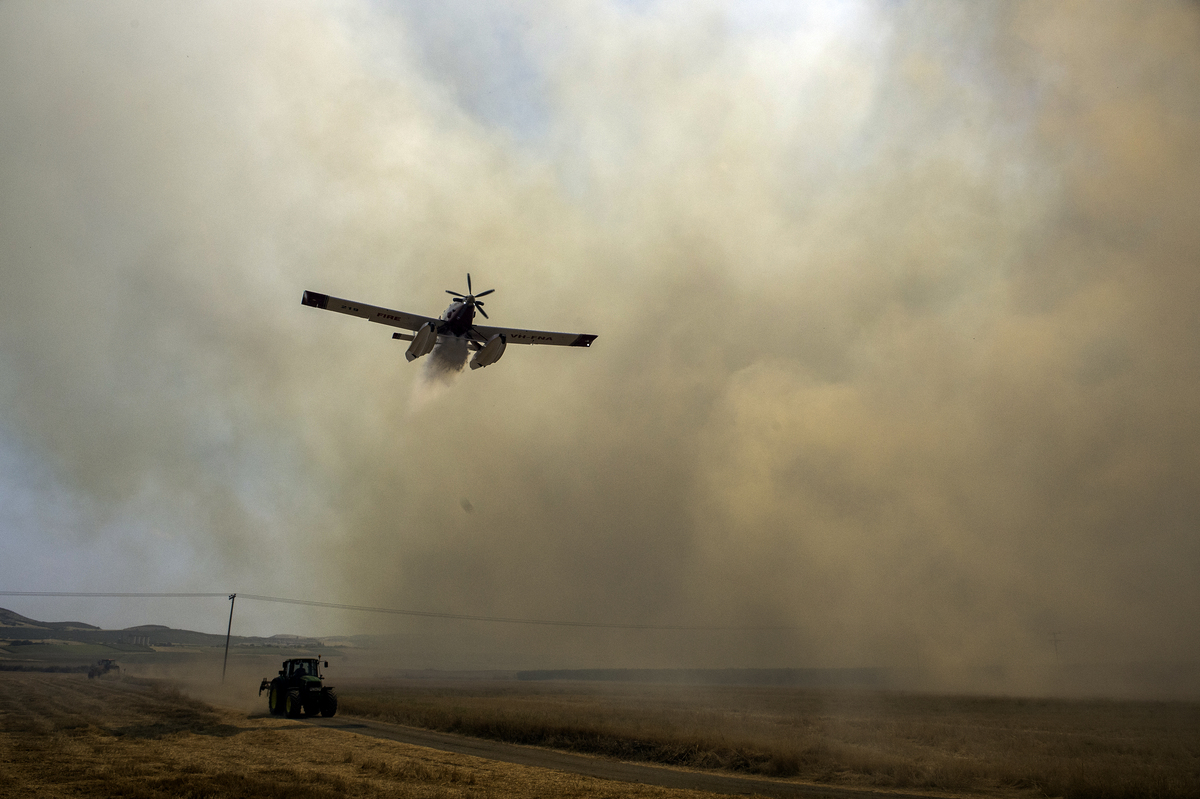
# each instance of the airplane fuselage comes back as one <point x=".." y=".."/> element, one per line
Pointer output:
<point x="457" y="319"/>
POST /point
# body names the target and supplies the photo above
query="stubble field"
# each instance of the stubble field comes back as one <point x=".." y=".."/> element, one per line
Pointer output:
<point x="62" y="735"/>
<point x="1035" y="747"/>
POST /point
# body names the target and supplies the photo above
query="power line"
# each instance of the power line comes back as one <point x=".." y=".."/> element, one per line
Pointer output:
<point x="418" y="613"/>
<point x="501" y="619"/>
<point x="106" y="594"/>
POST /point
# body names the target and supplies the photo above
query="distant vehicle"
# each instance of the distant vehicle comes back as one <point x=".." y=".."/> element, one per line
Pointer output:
<point x="300" y="690"/>
<point x="102" y="667"/>
<point x="457" y="321"/>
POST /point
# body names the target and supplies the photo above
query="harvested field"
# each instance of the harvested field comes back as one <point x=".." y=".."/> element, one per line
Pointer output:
<point x="1038" y="747"/>
<point x="62" y="735"/>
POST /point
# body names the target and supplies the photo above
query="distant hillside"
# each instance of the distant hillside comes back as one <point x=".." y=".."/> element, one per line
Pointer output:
<point x="15" y="627"/>
<point x="11" y="619"/>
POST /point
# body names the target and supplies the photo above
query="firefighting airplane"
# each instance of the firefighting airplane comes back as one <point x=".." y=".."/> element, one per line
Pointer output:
<point x="457" y="321"/>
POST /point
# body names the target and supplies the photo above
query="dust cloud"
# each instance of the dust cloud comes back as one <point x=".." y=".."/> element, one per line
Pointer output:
<point x="897" y="349"/>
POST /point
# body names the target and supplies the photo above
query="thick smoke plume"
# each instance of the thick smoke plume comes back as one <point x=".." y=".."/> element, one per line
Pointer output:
<point x="896" y="311"/>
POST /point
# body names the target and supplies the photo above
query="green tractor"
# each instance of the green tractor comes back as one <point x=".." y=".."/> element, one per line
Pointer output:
<point x="299" y="690"/>
<point x="102" y="667"/>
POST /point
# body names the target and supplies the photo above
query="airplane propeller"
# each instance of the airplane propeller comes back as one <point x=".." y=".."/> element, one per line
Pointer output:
<point x="472" y="299"/>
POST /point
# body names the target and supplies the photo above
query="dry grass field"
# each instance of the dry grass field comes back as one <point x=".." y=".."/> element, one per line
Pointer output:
<point x="62" y="735"/>
<point x="1036" y="747"/>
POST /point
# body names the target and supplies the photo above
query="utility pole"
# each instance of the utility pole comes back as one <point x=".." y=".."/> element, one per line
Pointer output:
<point x="228" y="630"/>
<point x="1054" y="640"/>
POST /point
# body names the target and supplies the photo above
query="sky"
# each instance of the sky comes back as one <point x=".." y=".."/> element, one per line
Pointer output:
<point x="896" y="303"/>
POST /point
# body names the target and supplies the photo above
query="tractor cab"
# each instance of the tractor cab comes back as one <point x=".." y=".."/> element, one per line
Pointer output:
<point x="300" y="669"/>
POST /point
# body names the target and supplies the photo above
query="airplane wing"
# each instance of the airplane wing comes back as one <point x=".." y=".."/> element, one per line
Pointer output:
<point x="515" y="335"/>
<point x="372" y="313"/>
<point x="412" y="321"/>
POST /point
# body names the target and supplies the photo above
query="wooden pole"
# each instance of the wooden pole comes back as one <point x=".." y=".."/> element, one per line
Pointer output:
<point x="228" y="630"/>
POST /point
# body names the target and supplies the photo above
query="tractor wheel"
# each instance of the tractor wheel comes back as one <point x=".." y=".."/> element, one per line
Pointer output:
<point x="275" y="700"/>
<point x="328" y="703"/>
<point x="294" y="708"/>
